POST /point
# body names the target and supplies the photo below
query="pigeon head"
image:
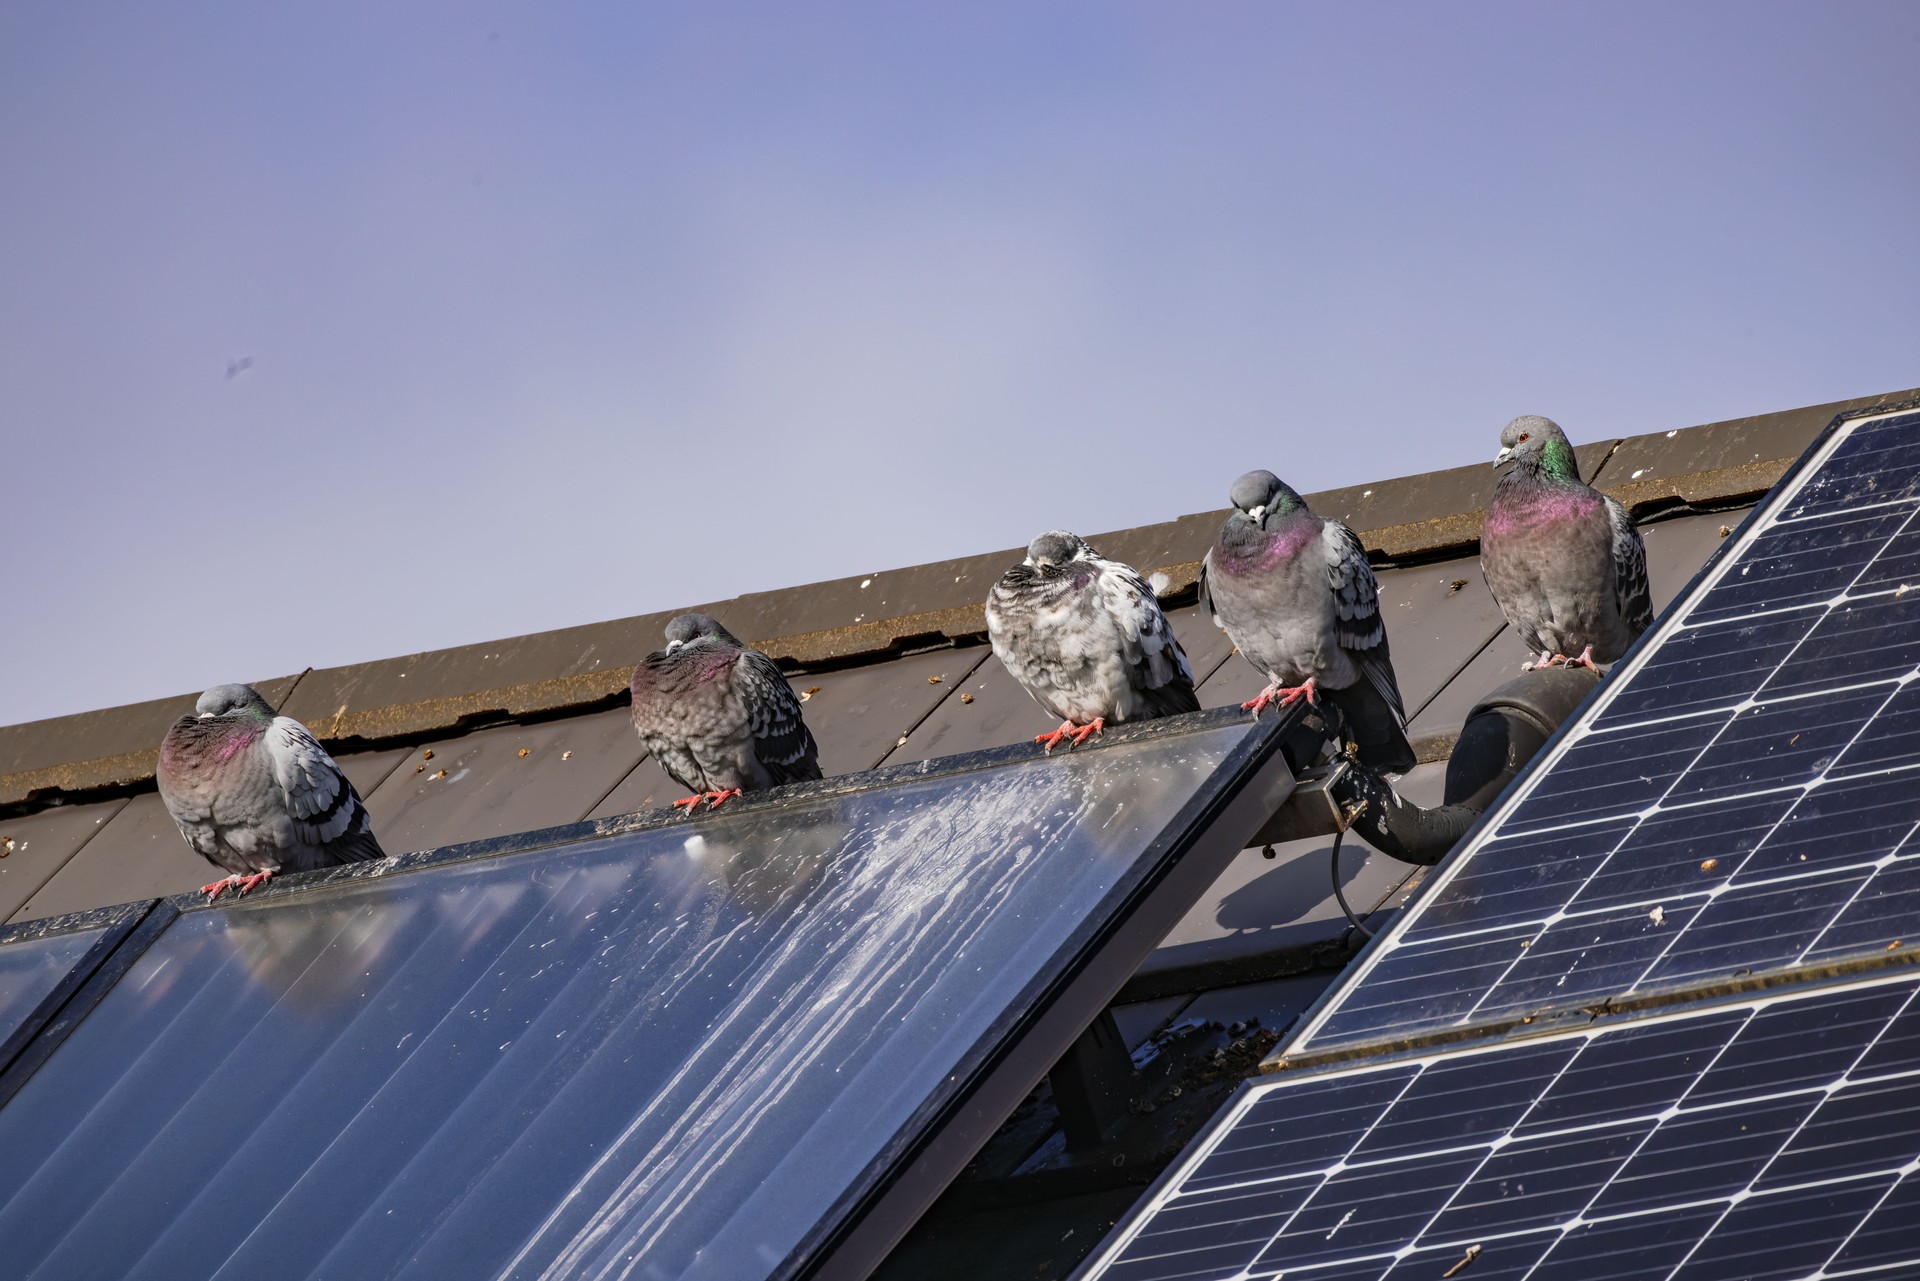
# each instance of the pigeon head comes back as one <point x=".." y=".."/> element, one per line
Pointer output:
<point x="1260" y="495"/>
<point x="231" y="700"/>
<point x="1537" y="443"/>
<point x="1056" y="547"/>
<point x="688" y="628"/>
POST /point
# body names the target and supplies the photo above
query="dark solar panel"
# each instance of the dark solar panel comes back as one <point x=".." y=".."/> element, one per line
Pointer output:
<point x="43" y="964"/>
<point x="1778" y="1138"/>
<point x="1744" y="796"/>
<point x="30" y="970"/>
<point x="685" y="1050"/>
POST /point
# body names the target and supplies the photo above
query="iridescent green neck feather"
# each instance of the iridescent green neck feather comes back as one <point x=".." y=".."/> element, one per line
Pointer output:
<point x="1557" y="460"/>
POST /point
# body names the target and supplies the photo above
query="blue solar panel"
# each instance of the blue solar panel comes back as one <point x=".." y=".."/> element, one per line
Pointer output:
<point x="1779" y="1137"/>
<point x="31" y="969"/>
<point x="1744" y="796"/>
<point x="648" y="1048"/>
<point x="43" y="964"/>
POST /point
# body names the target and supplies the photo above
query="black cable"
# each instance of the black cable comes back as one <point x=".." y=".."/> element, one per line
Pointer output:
<point x="1337" y="894"/>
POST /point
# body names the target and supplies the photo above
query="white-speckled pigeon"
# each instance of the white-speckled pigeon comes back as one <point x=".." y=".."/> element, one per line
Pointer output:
<point x="1085" y="636"/>
<point x="1563" y="560"/>
<point x="718" y="716"/>
<point x="255" y="793"/>
<point x="1295" y="593"/>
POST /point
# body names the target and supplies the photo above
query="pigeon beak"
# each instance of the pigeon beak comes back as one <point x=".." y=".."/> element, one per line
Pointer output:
<point x="1506" y="452"/>
<point x="673" y="645"/>
<point x="203" y="716"/>
<point x="1257" y="513"/>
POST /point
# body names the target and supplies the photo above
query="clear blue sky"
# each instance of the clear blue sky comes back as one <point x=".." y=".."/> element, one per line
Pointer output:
<point x="562" y="313"/>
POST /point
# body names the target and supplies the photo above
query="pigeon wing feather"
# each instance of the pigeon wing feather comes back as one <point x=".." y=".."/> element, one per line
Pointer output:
<point x="1155" y="662"/>
<point x="325" y="809"/>
<point x="1356" y="610"/>
<point x="1632" y="594"/>
<point x="780" y="736"/>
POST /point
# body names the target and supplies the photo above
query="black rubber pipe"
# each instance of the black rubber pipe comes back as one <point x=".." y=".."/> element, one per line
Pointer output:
<point x="1501" y="734"/>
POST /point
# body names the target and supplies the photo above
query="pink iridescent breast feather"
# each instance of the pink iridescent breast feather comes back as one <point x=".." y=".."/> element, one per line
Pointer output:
<point x="1263" y="550"/>
<point x="1513" y="513"/>
<point x="233" y="744"/>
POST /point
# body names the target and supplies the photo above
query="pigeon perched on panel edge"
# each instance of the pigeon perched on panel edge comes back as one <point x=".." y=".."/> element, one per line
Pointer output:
<point x="1295" y="594"/>
<point x="256" y="794"/>
<point x="718" y="716"/>
<point x="1563" y="560"/>
<point x="1085" y="636"/>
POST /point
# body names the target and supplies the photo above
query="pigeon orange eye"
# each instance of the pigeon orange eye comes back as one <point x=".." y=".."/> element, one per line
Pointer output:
<point x="1525" y="434"/>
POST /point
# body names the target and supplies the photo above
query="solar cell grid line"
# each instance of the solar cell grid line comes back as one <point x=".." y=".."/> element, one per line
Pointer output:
<point x="1879" y="696"/>
<point x="1742" y="796"/>
<point x="1772" y="1137"/>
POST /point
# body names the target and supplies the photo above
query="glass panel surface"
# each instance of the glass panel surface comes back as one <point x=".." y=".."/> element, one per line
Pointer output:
<point x="1772" y="1139"/>
<point x="1744" y="796"/>
<point x="31" y="969"/>
<point x="674" y="1052"/>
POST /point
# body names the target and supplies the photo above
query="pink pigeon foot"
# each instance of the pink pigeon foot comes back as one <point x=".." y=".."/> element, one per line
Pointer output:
<point x="1078" y="733"/>
<point x="239" y="884"/>
<point x="714" y="800"/>
<point x="1087" y="731"/>
<point x="1282" y="695"/>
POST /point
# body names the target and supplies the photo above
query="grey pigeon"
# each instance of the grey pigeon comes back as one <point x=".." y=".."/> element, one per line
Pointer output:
<point x="1562" y="559"/>
<point x="255" y="794"/>
<point x="1085" y="636"/>
<point x="1295" y="594"/>
<point x="718" y="716"/>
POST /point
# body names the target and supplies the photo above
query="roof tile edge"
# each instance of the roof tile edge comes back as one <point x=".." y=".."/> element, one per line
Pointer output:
<point x="1446" y="536"/>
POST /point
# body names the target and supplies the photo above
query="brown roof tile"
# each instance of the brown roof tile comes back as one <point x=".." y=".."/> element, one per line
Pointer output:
<point x="1415" y="520"/>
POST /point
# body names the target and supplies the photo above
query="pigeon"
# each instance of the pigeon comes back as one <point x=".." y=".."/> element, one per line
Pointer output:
<point x="1296" y="596"/>
<point x="1562" y="559"/>
<point x="719" y="716"/>
<point x="256" y="794"/>
<point x="1085" y="636"/>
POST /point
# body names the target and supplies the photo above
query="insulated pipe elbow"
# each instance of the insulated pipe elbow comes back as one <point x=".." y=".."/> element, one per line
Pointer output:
<point x="1396" y="826"/>
<point x="1501" y="734"/>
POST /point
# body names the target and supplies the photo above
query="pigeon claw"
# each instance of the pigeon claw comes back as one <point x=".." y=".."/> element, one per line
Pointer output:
<point x="1288" y="697"/>
<point x="713" y="799"/>
<point x="1283" y="695"/>
<point x="1087" y="731"/>
<point x="1053" y="740"/>
<point x="1068" y="730"/>
<point x="1561" y="660"/>
<point x="237" y="883"/>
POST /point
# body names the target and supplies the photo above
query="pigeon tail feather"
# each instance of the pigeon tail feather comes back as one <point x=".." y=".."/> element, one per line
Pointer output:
<point x="1376" y="727"/>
